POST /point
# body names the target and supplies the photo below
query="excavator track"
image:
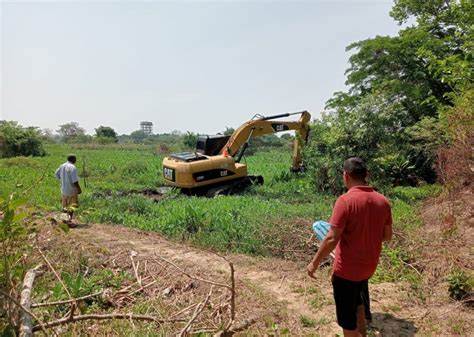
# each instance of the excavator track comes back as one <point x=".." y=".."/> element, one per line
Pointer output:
<point x="234" y="187"/>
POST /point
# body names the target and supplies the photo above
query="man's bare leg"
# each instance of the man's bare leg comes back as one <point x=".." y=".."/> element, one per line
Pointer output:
<point x="351" y="333"/>
<point x="360" y="331"/>
<point x="361" y="320"/>
<point x="70" y="213"/>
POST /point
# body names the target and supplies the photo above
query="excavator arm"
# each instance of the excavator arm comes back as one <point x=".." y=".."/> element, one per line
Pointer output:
<point x="259" y="125"/>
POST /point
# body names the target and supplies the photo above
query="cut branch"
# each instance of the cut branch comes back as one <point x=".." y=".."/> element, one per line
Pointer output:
<point x="232" y="294"/>
<point x="37" y="305"/>
<point x="195" y="277"/>
<point x="73" y="303"/>
<point x="97" y="317"/>
<point x="135" y="267"/>
<point x="40" y="326"/>
<point x="198" y="310"/>
<point x="26" y="322"/>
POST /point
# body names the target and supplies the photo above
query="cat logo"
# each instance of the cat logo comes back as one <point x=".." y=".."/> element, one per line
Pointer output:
<point x="279" y="127"/>
<point x="168" y="173"/>
<point x="224" y="173"/>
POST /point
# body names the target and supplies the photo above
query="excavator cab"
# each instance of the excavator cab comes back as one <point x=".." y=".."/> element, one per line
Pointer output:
<point x="211" y="145"/>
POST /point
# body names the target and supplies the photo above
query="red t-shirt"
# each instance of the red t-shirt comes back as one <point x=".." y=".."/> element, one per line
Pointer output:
<point x="362" y="214"/>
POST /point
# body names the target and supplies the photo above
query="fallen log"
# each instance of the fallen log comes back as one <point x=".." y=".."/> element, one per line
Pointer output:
<point x="26" y="321"/>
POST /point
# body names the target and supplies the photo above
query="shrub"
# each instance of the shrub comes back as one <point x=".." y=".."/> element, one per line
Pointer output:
<point x="455" y="162"/>
<point x="459" y="284"/>
<point x="16" y="140"/>
<point x="308" y="322"/>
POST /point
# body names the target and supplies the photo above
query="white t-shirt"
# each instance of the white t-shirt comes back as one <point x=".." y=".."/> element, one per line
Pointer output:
<point x="67" y="173"/>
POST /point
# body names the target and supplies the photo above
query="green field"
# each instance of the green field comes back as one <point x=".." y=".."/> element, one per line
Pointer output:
<point x="260" y="221"/>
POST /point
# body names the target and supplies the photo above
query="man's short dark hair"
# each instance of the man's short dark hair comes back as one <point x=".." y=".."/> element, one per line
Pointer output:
<point x="71" y="158"/>
<point x="356" y="168"/>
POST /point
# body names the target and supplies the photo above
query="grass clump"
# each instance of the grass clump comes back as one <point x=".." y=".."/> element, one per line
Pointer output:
<point x="308" y="322"/>
<point x="460" y="284"/>
<point x="413" y="194"/>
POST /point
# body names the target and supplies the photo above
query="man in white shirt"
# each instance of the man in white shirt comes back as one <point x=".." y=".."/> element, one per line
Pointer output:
<point x="70" y="188"/>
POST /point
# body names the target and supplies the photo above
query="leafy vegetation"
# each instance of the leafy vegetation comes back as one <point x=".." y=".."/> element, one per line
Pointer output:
<point x="105" y="134"/>
<point x="13" y="236"/>
<point x="460" y="284"/>
<point x="240" y="223"/>
<point x="16" y="140"/>
<point x="72" y="132"/>
<point x="398" y="108"/>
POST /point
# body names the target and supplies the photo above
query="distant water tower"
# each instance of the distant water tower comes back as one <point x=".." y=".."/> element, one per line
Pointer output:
<point x="147" y="127"/>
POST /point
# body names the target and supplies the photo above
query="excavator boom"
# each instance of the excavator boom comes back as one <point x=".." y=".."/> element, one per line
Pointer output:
<point x="266" y="125"/>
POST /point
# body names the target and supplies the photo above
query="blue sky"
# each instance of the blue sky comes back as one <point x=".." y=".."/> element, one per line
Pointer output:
<point x="184" y="65"/>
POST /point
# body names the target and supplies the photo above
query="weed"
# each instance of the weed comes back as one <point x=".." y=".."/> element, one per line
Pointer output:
<point x="324" y="320"/>
<point x="413" y="194"/>
<point x="457" y="325"/>
<point x="13" y="248"/>
<point x="308" y="322"/>
<point x="274" y="329"/>
<point x="21" y="162"/>
<point x="317" y="299"/>
<point x="460" y="284"/>
<point x="79" y="285"/>
<point x="394" y="307"/>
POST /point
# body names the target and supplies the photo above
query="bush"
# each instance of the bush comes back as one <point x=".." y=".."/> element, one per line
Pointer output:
<point x="460" y="284"/>
<point x="16" y="140"/>
<point x="106" y="140"/>
<point x="455" y="161"/>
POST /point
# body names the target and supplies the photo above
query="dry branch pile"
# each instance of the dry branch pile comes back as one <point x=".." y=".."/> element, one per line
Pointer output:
<point x="193" y="303"/>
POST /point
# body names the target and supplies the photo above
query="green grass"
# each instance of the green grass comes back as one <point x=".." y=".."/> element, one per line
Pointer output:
<point x="242" y="223"/>
<point x="107" y="169"/>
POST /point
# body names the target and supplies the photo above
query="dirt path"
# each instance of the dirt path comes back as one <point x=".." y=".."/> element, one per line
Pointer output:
<point x="307" y="304"/>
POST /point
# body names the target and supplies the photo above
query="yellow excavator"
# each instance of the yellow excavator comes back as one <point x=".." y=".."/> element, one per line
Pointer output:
<point x="215" y="168"/>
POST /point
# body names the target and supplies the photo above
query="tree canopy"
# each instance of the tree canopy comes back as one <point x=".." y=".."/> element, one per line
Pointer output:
<point x="399" y="90"/>
<point x="70" y="131"/>
<point x="105" y="134"/>
<point x="16" y="140"/>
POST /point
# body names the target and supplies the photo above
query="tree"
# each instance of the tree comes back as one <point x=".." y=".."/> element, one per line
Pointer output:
<point x="105" y="134"/>
<point x="190" y="139"/>
<point x="16" y="140"/>
<point x="48" y="135"/>
<point x="229" y="131"/>
<point x="70" y="131"/>
<point x="399" y="88"/>
<point x="138" y="136"/>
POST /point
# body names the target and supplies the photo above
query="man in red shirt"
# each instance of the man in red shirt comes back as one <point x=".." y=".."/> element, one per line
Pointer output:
<point x="360" y="222"/>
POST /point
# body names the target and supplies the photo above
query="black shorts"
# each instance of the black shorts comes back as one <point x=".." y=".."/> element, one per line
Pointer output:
<point x="348" y="295"/>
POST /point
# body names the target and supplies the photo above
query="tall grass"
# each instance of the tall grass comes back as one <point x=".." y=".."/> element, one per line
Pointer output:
<point x="241" y="223"/>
